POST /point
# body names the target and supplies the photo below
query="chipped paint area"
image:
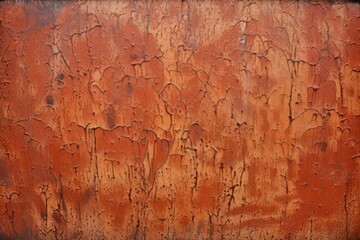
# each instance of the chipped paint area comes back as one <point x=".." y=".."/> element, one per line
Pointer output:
<point x="179" y="120"/>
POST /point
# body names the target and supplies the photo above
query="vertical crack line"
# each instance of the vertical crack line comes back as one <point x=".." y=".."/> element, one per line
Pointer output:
<point x="346" y="210"/>
<point x="96" y="160"/>
<point x="243" y="167"/>
<point x="147" y="16"/>
<point x="341" y="90"/>
<point x="290" y="101"/>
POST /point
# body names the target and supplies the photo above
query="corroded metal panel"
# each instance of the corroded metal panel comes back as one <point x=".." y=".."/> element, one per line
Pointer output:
<point x="179" y="120"/>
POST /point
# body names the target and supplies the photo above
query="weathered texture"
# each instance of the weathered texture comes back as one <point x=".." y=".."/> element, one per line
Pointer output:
<point x="180" y="120"/>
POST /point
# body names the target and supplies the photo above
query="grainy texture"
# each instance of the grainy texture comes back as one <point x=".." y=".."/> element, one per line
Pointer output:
<point x="179" y="120"/>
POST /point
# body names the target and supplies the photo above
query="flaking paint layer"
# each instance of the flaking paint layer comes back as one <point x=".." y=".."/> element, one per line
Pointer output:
<point x="179" y="120"/>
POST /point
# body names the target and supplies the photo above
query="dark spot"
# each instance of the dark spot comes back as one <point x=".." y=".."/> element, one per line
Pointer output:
<point x="323" y="146"/>
<point x="129" y="88"/>
<point x="50" y="100"/>
<point x="60" y="78"/>
<point x="221" y="165"/>
<point x="111" y="117"/>
<point x="88" y="194"/>
<point x="56" y="216"/>
<point x="240" y="124"/>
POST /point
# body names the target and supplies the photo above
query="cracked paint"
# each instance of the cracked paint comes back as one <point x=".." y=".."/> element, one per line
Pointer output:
<point x="179" y="120"/>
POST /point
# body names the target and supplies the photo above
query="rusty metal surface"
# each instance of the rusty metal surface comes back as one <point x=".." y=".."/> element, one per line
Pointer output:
<point x="179" y="120"/>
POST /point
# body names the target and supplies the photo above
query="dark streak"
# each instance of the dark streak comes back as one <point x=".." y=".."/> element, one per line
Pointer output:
<point x="111" y="117"/>
<point x="129" y="88"/>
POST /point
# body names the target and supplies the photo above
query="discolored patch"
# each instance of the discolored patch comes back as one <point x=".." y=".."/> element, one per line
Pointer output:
<point x="44" y="12"/>
<point x="60" y="78"/>
<point x="323" y="146"/>
<point x="111" y="117"/>
<point x="50" y="100"/>
<point x="4" y="179"/>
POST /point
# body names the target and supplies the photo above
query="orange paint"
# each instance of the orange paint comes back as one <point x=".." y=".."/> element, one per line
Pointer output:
<point x="179" y="119"/>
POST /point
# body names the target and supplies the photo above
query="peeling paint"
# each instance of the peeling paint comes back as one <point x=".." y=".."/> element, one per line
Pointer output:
<point x="179" y="120"/>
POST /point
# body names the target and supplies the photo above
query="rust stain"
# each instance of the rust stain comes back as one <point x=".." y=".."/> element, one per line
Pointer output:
<point x="179" y="120"/>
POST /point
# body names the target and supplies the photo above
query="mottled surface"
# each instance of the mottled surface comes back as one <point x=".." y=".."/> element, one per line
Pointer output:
<point x="179" y="120"/>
